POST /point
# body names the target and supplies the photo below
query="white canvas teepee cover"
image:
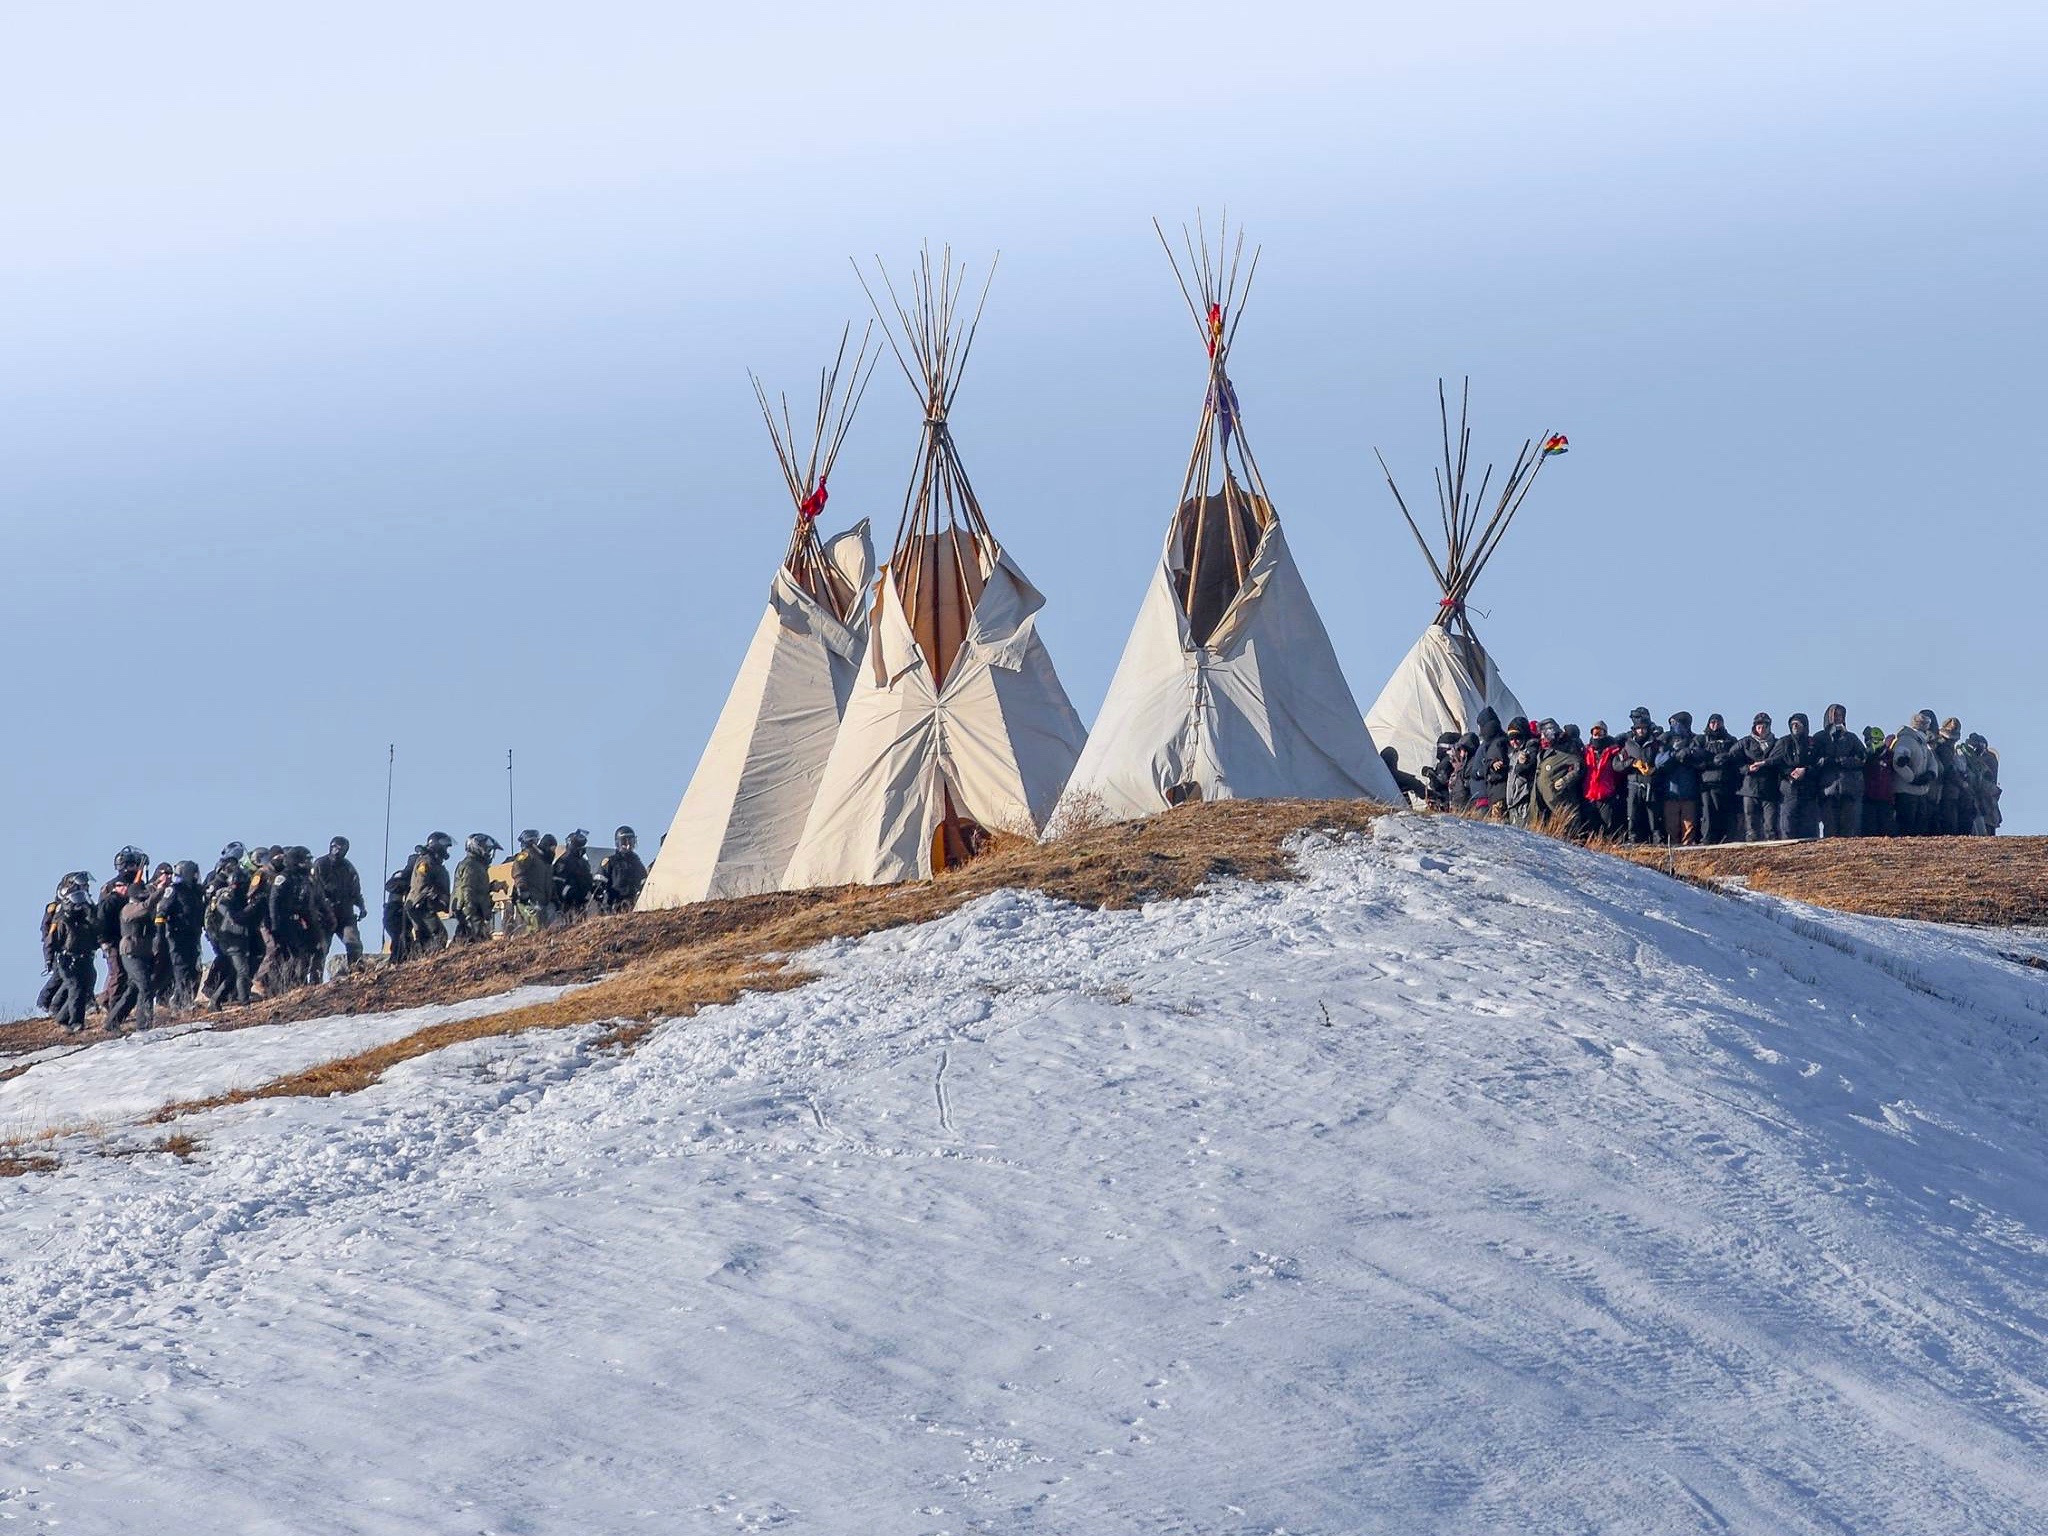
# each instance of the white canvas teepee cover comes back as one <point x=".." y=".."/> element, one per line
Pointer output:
<point x="1262" y="710"/>
<point x="999" y="736"/>
<point x="742" y="814"/>
<point x="1435" y="689"/>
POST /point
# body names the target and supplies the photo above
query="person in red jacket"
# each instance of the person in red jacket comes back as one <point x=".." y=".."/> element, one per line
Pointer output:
<point x="1604" y="789"/>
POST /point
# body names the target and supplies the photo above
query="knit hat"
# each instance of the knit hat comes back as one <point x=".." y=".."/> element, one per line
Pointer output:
<point x="1761" y="719"/>
<point x="1639" y="716"/>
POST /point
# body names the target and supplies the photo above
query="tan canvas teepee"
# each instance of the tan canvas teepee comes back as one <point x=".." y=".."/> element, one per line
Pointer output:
<point x="957" y="726"/>
<point x="1228" y="686"/>
<point x="1448" y="677"/>
<point x="745" y="805"/>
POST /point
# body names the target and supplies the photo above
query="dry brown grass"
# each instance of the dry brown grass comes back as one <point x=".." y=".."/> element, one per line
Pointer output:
<point x="1999" y="881"/>
<point x="700" y="956"/>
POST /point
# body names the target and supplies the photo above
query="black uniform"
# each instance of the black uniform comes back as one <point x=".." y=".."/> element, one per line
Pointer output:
<point x="619" y="879"/>
<point x="397" y="931"/>
<point x="182" y="917"/>
<point x="78" y="933"/>
<point x="335" y="878"/>
<point x="294" y="923"/>
<point x="573" y="882"/>
<point x="230" y="931"/>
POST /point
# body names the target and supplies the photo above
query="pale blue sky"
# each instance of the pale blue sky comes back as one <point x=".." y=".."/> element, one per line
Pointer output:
<point x="382" y="378"/>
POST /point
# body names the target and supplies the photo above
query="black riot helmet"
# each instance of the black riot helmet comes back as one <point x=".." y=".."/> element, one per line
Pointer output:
<point x="439" y="842"/>
<point x="625" y="837"/>
<point x="187" y="870"/>
<point x="579" y="840"/>
<point x="481" y="845"/>
<point x="232" y="854"/>
<point x="130" y="859"/>
<point x="529" y="838"/>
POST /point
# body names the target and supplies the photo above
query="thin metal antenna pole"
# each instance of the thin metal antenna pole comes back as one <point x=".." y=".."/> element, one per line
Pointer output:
<point x="390" y="769"/>
<point x="511" y="818"/>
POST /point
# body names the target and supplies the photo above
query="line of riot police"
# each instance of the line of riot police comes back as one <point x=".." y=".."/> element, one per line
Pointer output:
<point x="272" y="915"/>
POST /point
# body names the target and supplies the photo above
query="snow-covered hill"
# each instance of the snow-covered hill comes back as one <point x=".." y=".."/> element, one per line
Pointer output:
<point x="1472" y="1184"/>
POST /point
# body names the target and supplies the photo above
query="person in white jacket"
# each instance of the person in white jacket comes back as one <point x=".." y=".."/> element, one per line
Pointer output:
<point x="1916" y="776"/>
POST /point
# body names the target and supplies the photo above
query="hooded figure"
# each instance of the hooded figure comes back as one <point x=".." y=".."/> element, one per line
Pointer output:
<point x="1523" y="752"/>
<point x="1878" y="818"/>
<point x="1464" y="771"/>
<point x="1410" y="786"/>
<point x="1983" y="762"/>
<point x="1560" y="777"/>
<point x="1916" y="777"/>
<point x="1639" y="751"/>
<point x="1958" y="794"/>
<point x="1842" y="755"/>
<point x="1798" y="761"/>
<point x="1757" y="782"/>
<point x="1490" y="766"/>
<point x="1680" y="757"/>
<point x="1718" y="775"/>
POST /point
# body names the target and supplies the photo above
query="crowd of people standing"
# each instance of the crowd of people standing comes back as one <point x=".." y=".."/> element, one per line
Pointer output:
<point x="1678" y="786"/>
<point x="272" y="915"/>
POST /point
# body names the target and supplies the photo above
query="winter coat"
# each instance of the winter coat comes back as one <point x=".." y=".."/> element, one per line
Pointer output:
<point x="1639" y="761"/>
<point x="1797" y="755"/>
<point x="1877" y="776"/>
<point x="1560" y="779"/>
<point x="1955" y="771"/>
<point x="1984" y="781"/>
<point x="1755" y="751"/>
<point x="113" y="896"/>
<point x="1490" y="762"/>
<point x="1914" y="770"/>
<point x="1521" y="785"/>
<point x="1458" y="782"/>
<point x="138" y="921"/>
<point x="1718" y="768"/>
<point x="1842" y="757"/>
<point x="337" y="880"/>
<point x="1678" y="767"/>
<point x="1603" y="761"/>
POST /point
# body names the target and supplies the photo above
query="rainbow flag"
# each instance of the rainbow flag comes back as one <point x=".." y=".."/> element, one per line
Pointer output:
<point x="1555" y="444"/>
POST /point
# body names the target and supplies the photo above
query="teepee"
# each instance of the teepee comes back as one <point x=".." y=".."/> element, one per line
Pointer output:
<point x="1444" y="682"/>
<point x="957" y="726"/>
<point x="746" y="803"/>
<point x="1229" y="686"/>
